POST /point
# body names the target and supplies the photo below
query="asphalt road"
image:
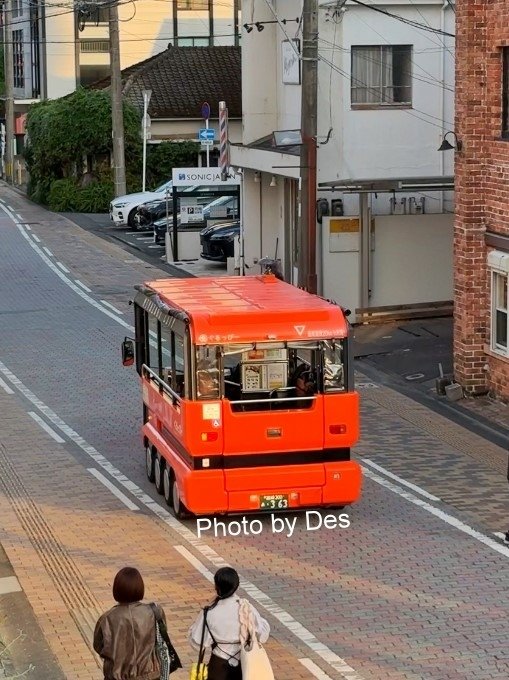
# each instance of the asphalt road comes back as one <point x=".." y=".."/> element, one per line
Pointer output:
<point x="403" y="593"/>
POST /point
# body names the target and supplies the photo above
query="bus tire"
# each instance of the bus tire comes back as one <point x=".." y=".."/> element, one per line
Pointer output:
<point x="167" y="485"/>
<point x="159" y="465"/>
<point x="149" y="463"/>
<point x="179" y="509"/>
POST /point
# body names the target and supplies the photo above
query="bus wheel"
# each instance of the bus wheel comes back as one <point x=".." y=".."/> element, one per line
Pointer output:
<point x="179" y="509"/>
<point x="167" y="485"/>
<point x="149" y="463"/>
<point x="159" y="465"/>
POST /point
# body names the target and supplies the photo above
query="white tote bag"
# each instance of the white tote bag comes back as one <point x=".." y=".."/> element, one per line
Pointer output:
<point x="254" y="661"/>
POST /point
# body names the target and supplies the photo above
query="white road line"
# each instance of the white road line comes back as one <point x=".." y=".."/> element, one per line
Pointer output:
<point x="63" y="268"/>
<point x="28" y="228"/>
<point x="144" y="238"/>
<point x="6" y="387"/>
<point x="282" y="616"/>
<point x="70" y="283"/>
<point x="46" y="427"/>
<point x="314" y="669"/>
<point x="116" y="492"/>
<point x="19" y="217"/>
<point x="186" y="534"/>
<point x="160" y="245"/>
<point x="8" y="211"/>
<point x="444" y="516"/>
<point x="36" y="238"/>
<point x="137" y="233"/>
<point x="104" y="302"/>
<point x="9" y="584"/>
<point x="499" y="534"/>
<point x="415" y="488"/>
<point x="47" y="251"/>
<point x="82" y="285"/>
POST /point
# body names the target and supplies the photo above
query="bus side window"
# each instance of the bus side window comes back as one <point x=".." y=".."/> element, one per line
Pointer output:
<point x="180" y="365"/>
<point x="152" y="338"/>
<point x="139" y="325"/>
<point x="166" y="355"/>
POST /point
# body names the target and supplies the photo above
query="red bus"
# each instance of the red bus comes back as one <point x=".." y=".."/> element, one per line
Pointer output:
<point x="248" y="395"/>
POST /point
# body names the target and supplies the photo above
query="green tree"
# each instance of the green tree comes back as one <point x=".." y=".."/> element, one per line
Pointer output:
<point x="163" y="157"/>
<point x="69" y="136"/>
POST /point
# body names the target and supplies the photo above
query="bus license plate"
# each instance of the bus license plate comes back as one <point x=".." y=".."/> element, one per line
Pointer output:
<point x="274" y="502"/>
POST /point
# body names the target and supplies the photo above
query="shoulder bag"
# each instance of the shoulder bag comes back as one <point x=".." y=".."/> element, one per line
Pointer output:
<point x="254" y="661"/>
<point x="169" y="661"/>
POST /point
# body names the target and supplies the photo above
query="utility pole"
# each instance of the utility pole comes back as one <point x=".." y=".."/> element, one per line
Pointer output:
<point x="309" y="96"/>
<point x="117" y="116"/>
<point x="9" y="93"/>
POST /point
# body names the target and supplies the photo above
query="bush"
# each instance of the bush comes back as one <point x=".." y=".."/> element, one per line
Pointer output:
<point x="163" y="157"/>
<point x="63" y="195"/>
<point x="95" y="198"/>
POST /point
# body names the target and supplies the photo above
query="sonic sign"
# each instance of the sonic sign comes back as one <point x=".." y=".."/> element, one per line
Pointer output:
<point x="185" y="177"/>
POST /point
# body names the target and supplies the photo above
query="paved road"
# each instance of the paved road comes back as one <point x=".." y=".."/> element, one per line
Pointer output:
<point x="413" y="589"/>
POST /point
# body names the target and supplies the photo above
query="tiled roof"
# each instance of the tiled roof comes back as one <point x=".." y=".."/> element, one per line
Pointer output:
<point x="182" y="78"/>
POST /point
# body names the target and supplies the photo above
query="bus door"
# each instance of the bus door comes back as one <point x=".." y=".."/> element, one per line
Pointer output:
<point x="272" y="404"/>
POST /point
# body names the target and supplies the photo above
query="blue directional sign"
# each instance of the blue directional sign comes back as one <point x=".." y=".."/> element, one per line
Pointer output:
<point x="206" y="134"/>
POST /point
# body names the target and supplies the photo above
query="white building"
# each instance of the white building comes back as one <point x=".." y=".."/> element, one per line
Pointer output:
<point x="385" y="100"/>
<point x="57" y="48"/>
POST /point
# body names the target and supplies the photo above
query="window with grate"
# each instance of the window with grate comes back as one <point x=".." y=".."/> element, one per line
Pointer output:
<point x="18" y="59"/>
<point x="88" y="45"/>
<point x="190" y="5"/>
<point x="381" y="75"/>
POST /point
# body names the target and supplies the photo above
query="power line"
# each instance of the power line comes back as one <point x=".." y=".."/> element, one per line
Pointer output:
<point x="410" y="22"/>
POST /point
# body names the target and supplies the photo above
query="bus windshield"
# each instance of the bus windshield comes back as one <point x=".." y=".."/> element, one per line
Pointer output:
<point x="270" y="370"/>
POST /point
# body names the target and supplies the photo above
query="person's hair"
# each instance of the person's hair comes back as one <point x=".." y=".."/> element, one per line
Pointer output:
<point x="128" y="586"/>
<point x="226" y="581"/>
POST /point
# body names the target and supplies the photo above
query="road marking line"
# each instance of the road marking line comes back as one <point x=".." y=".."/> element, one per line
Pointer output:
<point x="499" y="534"/>
<point x="314" y="669"/>
<point x="71" y="285"/>
<point x="144" y="238"/>
<point x="9" y="584"/>
<point x="445" y="517"/>
<point x="160" y="245"/>
<point x="82" y="285"/>
<point x="111" y="307"/>
<point x="63" y="268"/>
<point x="188" y="536"/>
<point x="414" y="487"/>
<point x="48" y="251"/>
<point x="8" y="211"/>
<point x="116" y="492"/>
<point x="6" y="387"/>
<point x="19" y="217"/>
<point x="28" y="228"/>
<point x="303" y="634"/>
<point x="137" y="233"/>
<point x="46" y="427"/>
<point x="36" y="238"/>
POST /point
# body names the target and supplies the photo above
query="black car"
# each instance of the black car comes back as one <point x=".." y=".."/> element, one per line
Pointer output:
<point x="227" y="205"/>
<point x="217" y="241"/>
<point x="148" y="213"/>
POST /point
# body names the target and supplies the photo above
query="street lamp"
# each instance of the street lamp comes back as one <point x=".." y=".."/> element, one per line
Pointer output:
<point x="146" y="131"/>
<point x="447" y="146"/>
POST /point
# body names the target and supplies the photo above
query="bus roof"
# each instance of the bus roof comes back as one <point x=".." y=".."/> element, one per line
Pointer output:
<point x="243" y="309"/>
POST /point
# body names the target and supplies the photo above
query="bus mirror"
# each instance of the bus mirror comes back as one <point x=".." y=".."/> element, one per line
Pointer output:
<point x="128" y="352"/>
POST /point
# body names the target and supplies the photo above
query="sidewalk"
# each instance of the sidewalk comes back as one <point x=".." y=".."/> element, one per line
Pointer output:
<point x="65" y="536"/>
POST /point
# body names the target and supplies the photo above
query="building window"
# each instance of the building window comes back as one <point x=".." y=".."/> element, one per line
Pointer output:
<point x="17" y="8"/>
<point x="193" y="42"/>
<point x="190" y="5"/>
<point x="505" y="92"/>
<point x="499" y="316"/>
<point x="381" y="75"/>
<point x="87" y="45"/>
<point x="18" y="59"/>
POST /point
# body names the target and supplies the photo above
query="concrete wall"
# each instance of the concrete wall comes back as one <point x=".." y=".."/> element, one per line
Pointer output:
<point x="411" y="261"/>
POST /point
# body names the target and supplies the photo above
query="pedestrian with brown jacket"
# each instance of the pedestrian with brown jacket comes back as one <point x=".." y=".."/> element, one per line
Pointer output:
<point x="125" y="636"/>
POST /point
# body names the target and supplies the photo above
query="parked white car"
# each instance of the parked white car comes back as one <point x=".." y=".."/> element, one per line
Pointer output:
<point x="123" y="208"/>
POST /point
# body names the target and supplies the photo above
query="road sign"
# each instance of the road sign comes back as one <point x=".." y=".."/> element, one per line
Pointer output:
<point x="207" y="135"/>
<point x="205" y="110"/>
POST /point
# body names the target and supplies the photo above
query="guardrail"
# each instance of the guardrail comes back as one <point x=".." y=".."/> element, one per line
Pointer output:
<point x="420" y="310"/>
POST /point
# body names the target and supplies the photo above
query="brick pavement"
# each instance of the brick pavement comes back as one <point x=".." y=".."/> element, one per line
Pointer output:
<point x="434" y="612"/>
<point x="66" y="536"/>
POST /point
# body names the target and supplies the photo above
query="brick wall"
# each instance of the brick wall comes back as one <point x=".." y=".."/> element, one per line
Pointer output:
<point x="482" y="187"/>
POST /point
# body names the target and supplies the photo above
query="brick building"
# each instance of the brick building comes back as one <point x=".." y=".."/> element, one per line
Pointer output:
<point x="481" y="241"/>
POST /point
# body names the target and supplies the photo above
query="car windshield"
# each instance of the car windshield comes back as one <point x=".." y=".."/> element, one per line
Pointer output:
<point x="163" y="187"/>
